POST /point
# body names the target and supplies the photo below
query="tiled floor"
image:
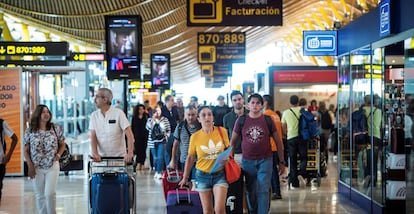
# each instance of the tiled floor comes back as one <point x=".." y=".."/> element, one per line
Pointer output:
<point x="72" y="196"/>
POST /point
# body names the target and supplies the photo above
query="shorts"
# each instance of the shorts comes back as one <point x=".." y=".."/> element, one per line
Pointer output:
<point x="206" y="181"/>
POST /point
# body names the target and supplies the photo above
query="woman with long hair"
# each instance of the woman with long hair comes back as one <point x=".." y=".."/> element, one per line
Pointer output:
<point x="157" y="145"/>
<point x="205" y="145"/>
<point x="139" y="120"/>
<point x="44" y="144"/>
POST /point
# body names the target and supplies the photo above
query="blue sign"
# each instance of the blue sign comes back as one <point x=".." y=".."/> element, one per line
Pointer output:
<point x="385" y="23"/>
<point x="319" y="43"/>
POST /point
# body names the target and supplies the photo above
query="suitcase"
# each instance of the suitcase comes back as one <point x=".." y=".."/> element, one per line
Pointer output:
<point x="170" y="180"/>
<point x="234" y="200"/>
<point x="109" y="193"/>
<point x="183" y="201"/>
<point x="111" y="186"/>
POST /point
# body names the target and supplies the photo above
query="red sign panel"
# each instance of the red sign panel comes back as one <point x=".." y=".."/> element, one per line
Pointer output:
<point x="305" y="76"/>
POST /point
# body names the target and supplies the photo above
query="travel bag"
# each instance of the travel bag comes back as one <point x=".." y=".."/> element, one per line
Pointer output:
<point x="183" y="201"/>
<point x="170" y="180"/>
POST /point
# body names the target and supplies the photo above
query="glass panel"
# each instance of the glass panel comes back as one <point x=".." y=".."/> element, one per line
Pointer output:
<point x="343" y="120"/>
<point x="408" y="119"/>
<point x="360" y="93"/>
<point x="375" y="150"/>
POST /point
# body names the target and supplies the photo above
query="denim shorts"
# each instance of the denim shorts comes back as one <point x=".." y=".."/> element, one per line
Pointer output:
<point x="206" y="181"/>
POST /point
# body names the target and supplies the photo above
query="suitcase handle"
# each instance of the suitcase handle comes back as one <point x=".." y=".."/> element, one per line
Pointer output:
<point x="178" y="195"/>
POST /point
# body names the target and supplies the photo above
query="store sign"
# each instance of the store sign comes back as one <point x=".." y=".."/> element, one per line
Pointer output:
<point x="34" y="48"/>
<point x="221" y="48"/>
<point x="319" y="43"/>
<point x="234" y="13"/>
<point x="305" y="76"/>
<point x="385" y="16"/>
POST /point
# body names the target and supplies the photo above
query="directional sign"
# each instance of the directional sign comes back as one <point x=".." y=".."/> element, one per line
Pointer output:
<point x="34" y="48"/>
<point x="385" y="14"/>
<point x="319" y="43"/>
<point x="221" y="47"/>
<point x="234" y="13"/>
<point x="86" y="57"/>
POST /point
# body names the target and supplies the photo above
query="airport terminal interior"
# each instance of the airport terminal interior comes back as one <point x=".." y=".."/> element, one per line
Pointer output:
<point x="73" y="191"/>
<point x="353" y="55"/>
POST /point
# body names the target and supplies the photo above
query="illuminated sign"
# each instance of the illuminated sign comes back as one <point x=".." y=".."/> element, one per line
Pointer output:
<point x="222" y="48"/>
<point x="123" y="36"/>
<point x="87" y="57"/>
<point x="385" y="18"/>
<point x="319" y="43"/>
<point x="234" y="13"/>
<point x="34" y="48"/>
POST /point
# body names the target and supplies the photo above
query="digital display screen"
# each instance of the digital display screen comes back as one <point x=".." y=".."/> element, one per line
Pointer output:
<point x="123" y="46"/>
<point x="160" y="70"/>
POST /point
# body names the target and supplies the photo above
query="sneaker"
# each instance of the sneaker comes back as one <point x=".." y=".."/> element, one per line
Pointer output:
<point x="276" y="197"/>
<point x="292" y="187"/>
<point x="302" y="181"/>
<point x="334" y="158"/>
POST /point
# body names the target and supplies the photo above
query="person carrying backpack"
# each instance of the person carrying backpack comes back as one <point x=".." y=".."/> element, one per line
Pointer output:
<point x="5" y="130"/>
<point x="295" y="145"/>
<point x="157" y="144"/>
<point x="182" y="136"/>
<point x="257" y="159"/>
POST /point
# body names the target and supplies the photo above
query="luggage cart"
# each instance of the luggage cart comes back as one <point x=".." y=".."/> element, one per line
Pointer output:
<point x="111" y="186"/>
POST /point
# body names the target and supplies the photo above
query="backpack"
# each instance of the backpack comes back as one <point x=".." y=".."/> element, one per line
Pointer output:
<point x="156" y="132"/>
<point x="360" y="124"/>
<point x="308" y="126"/>
<point x="326" y="121"/>
<point x="180" y="128"/>
<point x="242" y="118"/>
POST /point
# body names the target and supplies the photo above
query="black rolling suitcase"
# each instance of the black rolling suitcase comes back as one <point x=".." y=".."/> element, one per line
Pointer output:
<point x="234" y="200"/>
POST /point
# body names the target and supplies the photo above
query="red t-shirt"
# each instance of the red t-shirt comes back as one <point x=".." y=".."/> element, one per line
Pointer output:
<point x="255" y="138"/>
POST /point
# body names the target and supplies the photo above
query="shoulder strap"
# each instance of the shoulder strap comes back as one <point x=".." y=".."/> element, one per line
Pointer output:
<point x="269" y="122"/>
<point x="180" y="127"/>
<point x="221" y="135"/>
<point x="242" y="118"/>
<point x="294" y="113"/>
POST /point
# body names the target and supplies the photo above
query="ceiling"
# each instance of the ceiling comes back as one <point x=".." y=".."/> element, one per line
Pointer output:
<point x="165" y="25"/>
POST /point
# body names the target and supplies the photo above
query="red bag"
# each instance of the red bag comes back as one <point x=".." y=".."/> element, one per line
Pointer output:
<point x="233" y="170"/>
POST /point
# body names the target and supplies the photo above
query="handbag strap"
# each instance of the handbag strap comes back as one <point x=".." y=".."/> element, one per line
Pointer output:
<point x="221" y="134"/>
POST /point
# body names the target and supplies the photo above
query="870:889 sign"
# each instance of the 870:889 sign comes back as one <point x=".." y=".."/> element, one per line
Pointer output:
<point x="221" y="47"/>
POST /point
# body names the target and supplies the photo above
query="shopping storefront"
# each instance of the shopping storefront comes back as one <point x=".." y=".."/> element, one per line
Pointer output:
<point x="375" y="73"/>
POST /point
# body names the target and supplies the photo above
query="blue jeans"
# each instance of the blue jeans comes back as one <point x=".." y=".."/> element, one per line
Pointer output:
<point x="275" y="175"/>
<point x="258" y="174"/>
<point x="168" y="149"/>
<point x="158" y="155"/>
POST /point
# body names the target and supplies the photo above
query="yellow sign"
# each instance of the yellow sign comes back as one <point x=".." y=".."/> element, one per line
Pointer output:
<point x="207" y="54"/>
<point x="207" y="11"/>
<point x="206" y="70"/>
<point x="221" y="47"/>
<point x="234" y="13"/>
